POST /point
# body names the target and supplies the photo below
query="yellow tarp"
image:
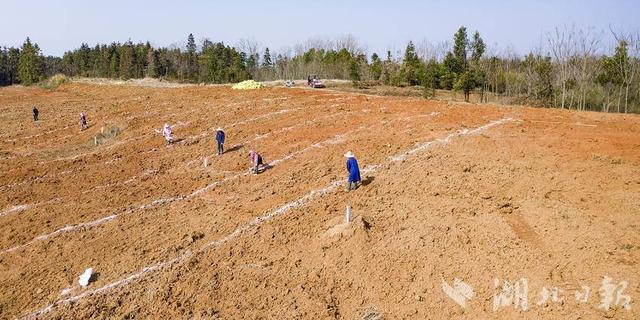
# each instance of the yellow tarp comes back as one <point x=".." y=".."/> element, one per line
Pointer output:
<point x="247" y="85"/>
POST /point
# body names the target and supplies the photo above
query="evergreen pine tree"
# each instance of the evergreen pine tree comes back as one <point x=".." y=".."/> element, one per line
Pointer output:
<point x="252" y="65"/>
<point x="126" y="56"/>
<point x="4" y="67"/>
<point x="431" y="78"/>
<point x="152" y="64"/>
<point x="449" y="65"/>
<point x="354" y="71"/>
<point x="457" y="64"/>
<point x="13" y="58"/>
<point x="266" y="59"/>
<point x="411" y="66"/>
<point x="477" y="47"/>
<point x="543" y="88"/>
<point x="460" y="45"/>
<point x="82" y="60"/>
<point x="105" y="60"/>
<point x="376" y="66"/>
<point x="191" y="58"/>
<point x="30" y="66"/>
<point x="114" y="65"/>
<point x="477" y="50"/>
<point x="191" y="44"/>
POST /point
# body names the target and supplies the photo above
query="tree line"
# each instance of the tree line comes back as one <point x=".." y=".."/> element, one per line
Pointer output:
<point x="214" y="62"/>
<point x="26" y="65"/>
<point x="572" y="73"/>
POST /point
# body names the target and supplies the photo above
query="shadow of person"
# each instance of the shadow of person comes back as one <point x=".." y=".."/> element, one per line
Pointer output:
<point x="94" y="277"/>
<point x="234" y="148"/>
<point x="368" y="180"/>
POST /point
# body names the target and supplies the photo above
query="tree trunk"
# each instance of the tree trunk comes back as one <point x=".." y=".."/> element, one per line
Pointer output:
<point x="619" y="98"/>
<point x="563" y="94"/>
<point x="626" y="97"/>
<point x="570" y="102"/>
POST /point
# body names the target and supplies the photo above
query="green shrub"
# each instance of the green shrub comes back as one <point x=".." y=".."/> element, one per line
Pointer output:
<point x="55" y="81"/>
<point x="106" y="135"/>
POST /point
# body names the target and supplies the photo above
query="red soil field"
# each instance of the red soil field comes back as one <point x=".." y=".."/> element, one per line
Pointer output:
<point x="545" y="200"/>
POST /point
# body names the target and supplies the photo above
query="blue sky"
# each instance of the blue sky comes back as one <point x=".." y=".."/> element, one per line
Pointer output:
<point x="58" y="25"/>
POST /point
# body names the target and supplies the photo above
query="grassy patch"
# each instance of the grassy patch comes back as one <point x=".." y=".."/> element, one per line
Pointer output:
<point x="102" y="137"/>
<point x="626" y="247"/>
<point x="55" y="81"/>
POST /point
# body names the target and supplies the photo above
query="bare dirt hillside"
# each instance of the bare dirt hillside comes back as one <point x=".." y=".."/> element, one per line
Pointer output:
<point x="466" y="211"/>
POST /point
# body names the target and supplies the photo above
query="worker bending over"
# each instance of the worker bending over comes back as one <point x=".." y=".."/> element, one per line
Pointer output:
<point x="256" y="161"/>
<point x="167" y="133"/>
<point x="83" y="121"/>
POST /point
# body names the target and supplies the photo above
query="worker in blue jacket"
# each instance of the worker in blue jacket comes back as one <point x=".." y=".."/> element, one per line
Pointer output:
<point x="220" y="140"/>
<point x="354" y="171"/>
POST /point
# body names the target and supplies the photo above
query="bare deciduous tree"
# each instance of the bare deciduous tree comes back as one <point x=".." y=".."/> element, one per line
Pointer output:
<point x="350" y="43"/>
<point x="587" y="43"/>
<point x="428" y="50"/>
<point x="562" y="46"/>
<point x="248" y="46"/>
<point x="626" y="68"/>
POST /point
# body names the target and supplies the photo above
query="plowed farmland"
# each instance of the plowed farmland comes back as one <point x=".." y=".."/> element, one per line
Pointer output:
<point x="527" y="208"/>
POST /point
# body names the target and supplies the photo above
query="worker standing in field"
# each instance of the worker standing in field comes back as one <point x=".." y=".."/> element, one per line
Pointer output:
<point x="167" y="133"/>
<point x="354" y="171"/>
<point x="220" y="140"/>
<point x="83" y="121"/>
<point x="35" y="113"/>
<point x="256" y="161"/>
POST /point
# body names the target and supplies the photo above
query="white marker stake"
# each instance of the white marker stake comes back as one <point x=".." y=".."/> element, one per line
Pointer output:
<point x="95" y="141"/>
<point x="206" y="162"/>
<point x="348" y="216"/>
<point x="85" y="277"/>
<point x="102" y="130"/>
